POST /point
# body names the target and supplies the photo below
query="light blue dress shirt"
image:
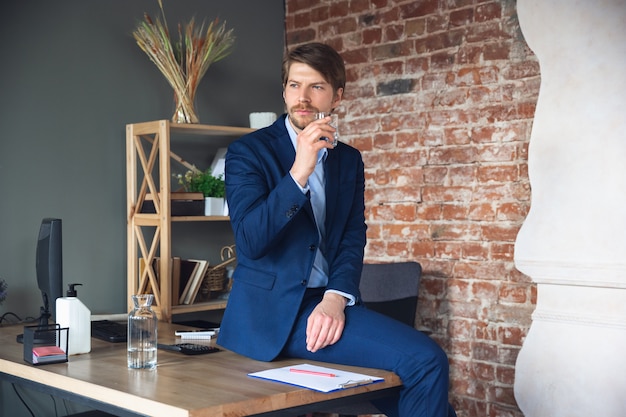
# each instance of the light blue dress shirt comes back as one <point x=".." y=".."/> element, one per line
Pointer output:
<point x="316" y="186"/>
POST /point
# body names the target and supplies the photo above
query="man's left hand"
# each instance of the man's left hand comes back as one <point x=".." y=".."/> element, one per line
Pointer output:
<point x="326" y="322"/>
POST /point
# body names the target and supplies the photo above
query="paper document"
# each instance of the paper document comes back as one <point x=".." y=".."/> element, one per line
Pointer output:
<point x="317" y="378"/>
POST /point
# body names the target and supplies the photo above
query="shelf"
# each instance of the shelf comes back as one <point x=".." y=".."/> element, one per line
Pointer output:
<point x="204" y="306"/>
<point x="200" y="218"/>
<point x="149" y="235"/>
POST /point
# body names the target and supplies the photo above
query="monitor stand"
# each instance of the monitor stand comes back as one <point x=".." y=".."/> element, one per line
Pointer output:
<point x="44" y="319"/>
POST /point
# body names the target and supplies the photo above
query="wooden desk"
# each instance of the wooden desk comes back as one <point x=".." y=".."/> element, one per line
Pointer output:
<point x="214" y="385"/>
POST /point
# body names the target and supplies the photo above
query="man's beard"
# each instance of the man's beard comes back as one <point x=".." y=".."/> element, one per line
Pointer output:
<point x="302" y="122"/>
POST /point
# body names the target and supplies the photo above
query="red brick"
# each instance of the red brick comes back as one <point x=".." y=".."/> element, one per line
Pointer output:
<point x="461" y="17"/>
<point x="339" y="8"/>
<point x="418" y="8"/>
<point x="371" y="36"/>
<point x="302" y="19"/>
<point x="485" y="33"/>
<point x="392" y="50"/>
<point x="489" y="11"/>
<point x="405" y="231"/>
<point x="405" y="212"/>
<point x="520" y="70"/>
<point x="454" y="211"/>
<point x="483" y="211"/>
<point x="498" y="173"/>
<point x="320" y="14"/>
<point x="502" y="251"/>
<point x="394" y="33"/>
<point x="513" y="211"/>
<point x="461" y="328"/>
<point x="510" y="293"/>
<point x="486" y="291"/>
<point x="415" y="27"/>
<point x="499" y="233"/>
<point x="429" y="211"/>
<point x="510" y="335"/>
<point x="448" y="250"/>
<point x="479" y="270"/>
<point x="301" y="36"/>
<point x="485" y="351"/>
<point x="483" y="372"/>
<point x="398" y="249"/>
<point x="359" y="6"/>
<point x="422" y="249"/>
<point x="475" y="251"/>
<point x="505" y="375"/>
<point x="437" y="23"/>
<point x="434" y="174"/>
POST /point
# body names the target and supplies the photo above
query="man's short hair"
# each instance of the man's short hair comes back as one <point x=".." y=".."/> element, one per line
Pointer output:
<point x="322" y="58"/>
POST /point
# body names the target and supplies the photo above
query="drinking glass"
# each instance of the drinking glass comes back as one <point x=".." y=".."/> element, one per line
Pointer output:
<point x="334" y="122"/>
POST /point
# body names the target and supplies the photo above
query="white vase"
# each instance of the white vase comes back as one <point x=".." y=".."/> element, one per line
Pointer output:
<point x="213" y="206"/>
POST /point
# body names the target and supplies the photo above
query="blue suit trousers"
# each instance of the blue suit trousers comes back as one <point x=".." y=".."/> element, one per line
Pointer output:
<point x="373" y="340"/>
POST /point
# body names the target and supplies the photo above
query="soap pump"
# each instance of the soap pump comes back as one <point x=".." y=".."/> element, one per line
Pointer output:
<point x="72" y="313"/>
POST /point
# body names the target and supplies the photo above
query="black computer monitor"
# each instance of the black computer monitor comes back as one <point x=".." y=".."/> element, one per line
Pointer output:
<point x="49" y="269"/>
<point x="49" y="266"/>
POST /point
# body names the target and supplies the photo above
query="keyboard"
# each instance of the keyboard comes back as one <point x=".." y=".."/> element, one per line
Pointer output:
<point x="110" y="331"/>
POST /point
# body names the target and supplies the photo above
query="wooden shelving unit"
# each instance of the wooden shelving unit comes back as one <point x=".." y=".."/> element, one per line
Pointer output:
<point x="148" y="161"/>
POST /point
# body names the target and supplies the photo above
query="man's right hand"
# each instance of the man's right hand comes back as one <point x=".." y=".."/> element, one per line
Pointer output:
<point x="308" y="144"/>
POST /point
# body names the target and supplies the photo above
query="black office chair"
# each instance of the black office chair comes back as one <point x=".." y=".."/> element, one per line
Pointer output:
<point x="390" y="289"/>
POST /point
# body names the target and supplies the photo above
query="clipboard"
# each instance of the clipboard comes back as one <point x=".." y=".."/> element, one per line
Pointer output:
<point x="317" y="378"/>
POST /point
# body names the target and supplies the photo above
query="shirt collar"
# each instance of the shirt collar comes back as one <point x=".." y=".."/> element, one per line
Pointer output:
<point x="321" y="155"/>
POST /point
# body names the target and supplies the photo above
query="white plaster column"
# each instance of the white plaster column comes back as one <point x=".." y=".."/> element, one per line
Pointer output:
<point x="573" y="242"/>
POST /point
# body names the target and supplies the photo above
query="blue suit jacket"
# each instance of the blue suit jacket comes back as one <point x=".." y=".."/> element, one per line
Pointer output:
<point x="276" y="237"/>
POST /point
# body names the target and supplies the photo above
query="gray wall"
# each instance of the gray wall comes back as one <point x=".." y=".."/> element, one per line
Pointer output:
<point x="71" y="78"/>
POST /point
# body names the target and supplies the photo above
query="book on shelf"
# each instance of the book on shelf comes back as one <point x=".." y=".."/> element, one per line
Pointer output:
<point x="186" y="278"/>
<point x="195" y="282"/>
<point x="176" y="261"/>
<point x="187" y="270"/>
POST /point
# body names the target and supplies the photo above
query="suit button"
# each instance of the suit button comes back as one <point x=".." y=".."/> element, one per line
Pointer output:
<point x="303" y="282"/>
<point x="292" y="211"/>
<point x="312" y="247"/>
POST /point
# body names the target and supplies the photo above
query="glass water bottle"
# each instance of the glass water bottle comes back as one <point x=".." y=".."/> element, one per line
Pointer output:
<point x="142" y="333"/>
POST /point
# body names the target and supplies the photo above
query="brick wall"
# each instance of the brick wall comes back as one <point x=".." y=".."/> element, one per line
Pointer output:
<point x="440" y="100"/>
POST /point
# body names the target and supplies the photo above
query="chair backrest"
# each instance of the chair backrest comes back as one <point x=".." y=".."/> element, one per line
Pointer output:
<point x="392" y="289"/>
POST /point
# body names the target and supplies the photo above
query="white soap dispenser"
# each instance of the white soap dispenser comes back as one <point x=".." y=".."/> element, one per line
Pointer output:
<point x="72" y="313"/>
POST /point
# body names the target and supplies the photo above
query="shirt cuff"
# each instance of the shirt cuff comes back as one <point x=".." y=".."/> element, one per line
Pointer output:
<point x="304" y="189"/>
<point x="350" y="297"/>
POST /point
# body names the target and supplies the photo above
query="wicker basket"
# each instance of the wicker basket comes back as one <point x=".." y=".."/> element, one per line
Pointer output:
<point x="215" y="277"/>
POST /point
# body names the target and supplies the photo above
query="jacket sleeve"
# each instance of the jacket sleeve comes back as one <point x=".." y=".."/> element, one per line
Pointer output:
<point x="262" y="197"/>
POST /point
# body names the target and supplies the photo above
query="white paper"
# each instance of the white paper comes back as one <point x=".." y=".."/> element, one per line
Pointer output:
<point x="341" y="380"/>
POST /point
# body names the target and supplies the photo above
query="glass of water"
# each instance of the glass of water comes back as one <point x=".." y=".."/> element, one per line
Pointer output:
<point x="334" y="122"/>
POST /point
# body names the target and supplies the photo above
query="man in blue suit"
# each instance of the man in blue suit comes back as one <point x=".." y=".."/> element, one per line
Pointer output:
<point x="296" y="204"/>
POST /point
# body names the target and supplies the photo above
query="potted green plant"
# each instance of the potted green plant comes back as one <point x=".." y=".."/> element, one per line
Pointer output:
<point x="213" y="189"/>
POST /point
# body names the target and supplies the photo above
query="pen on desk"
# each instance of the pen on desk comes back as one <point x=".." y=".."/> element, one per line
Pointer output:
<point x="306" y="371"/>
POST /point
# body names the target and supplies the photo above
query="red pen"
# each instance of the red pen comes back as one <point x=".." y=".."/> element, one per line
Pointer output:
<point x="306" y="371"/>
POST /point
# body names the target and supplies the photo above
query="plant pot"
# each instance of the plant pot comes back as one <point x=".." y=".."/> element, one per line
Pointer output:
<point x="213" y="206"/>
